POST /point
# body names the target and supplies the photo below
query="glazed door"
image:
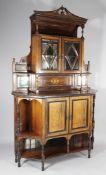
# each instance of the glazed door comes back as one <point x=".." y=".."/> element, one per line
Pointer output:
<point x="46" y="54"/>
<point x="80" y="113"/>
<point x="50" y="54"/>
<point x="57" y="112"/>
<point x="71" y="55"/>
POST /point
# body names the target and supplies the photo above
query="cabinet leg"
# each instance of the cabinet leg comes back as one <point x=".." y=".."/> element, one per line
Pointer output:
<point x="93" y="121"/>
<point x="92" y="142"/>
<point x="18" y="154"/>
<point x="43" y="157"/>
<point x="19" y="163"/>
<point x="68" y="145"/>
<point x="89" y="147"/>
<point x="92" y="139"/>
<point x="16" y="159"/>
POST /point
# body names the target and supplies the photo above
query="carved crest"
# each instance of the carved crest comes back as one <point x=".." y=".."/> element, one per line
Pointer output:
<point x="56" y="22"/>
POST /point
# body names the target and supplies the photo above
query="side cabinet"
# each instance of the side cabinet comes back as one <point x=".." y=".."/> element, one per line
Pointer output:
<point x="54" y="105"/>
<point x="80" y="113"/>
<point x="57" y="112"/>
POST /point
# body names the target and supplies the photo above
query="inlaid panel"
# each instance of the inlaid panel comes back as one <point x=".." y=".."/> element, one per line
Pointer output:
<point x="80" y="113"/>
<point x="55" y="82"/>
<point x="57" y="116"/>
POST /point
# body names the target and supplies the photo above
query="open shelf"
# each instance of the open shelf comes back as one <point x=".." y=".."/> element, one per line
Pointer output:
<point x="50" y="151"/>
<point x="25" y="135"/>
<point x="55" y="147"/>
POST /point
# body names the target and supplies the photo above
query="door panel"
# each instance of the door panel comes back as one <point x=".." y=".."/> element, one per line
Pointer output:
<point x="80" y="113"/>
<point x="50" y="54"/>
<point x="57" y="112"/>
<point x="46" y="52"/>
<point x="71" y="55"/>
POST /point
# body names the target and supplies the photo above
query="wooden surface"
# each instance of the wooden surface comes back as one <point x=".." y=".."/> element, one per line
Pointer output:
<point x="49" y="94"/>
<point x="37" y="121"/>
<point x="56" y="116"/>
<point x="80" y="112"/>
<point x="80" y="115"/>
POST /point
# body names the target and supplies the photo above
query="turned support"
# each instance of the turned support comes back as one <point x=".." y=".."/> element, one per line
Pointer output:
<point x="89" y="146"/>
<point x="93" y="121"/>
<point x="68" y="145"/>
<point x="16" y="158"/>
<point x="43" y="156"/>
<point x="18" y="154"/>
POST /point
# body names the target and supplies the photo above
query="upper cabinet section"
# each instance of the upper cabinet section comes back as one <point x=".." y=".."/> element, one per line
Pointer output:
<point x="56" y="58"/>
<point x="52" y="54"/>
<point x="59" y="22"/>
<point x="55" y="47"/>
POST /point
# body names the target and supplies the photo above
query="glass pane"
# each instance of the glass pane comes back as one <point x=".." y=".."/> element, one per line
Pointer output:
<point x="71" y="55"/>
<point x="22" y="81"/>
<point x="50" y="54"/>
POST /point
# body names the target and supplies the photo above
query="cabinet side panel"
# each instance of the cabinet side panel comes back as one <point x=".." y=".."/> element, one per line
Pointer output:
<point x="37" y="125"/>
<point x="36" y="45"/>
<point x="24" y="115"/>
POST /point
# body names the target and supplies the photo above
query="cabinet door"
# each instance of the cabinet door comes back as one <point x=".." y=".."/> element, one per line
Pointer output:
<point x="57" y="111"/>
<point x="46" y="52"/>
<point x="71" y="55"/>
<point x="80" y="113"/>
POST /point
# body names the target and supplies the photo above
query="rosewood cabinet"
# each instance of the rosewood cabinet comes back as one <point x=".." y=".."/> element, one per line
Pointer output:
<point x="53" y="103"/>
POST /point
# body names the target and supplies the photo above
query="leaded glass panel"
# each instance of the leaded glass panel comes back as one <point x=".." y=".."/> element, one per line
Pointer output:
<point x="50" y="51"/>
<point x="71" y="55"/>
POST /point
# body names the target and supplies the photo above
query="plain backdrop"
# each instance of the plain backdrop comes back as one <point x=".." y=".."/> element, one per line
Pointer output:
<point x="15" y="43"/>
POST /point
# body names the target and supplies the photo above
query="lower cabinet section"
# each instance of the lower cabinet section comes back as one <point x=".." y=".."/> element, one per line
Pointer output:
<point x="50" y="126"/>
<point x="68" y="115"/>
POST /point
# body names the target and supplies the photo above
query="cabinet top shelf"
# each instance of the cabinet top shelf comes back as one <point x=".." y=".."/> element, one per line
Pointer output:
<point x="56" y="22"/>
<point x="44" y="95"/>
